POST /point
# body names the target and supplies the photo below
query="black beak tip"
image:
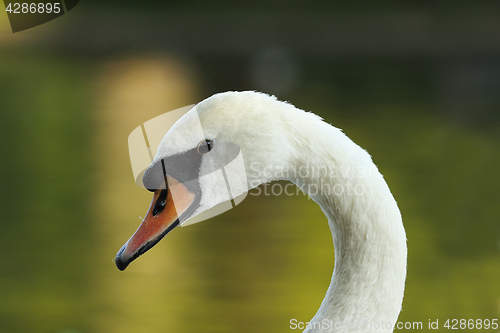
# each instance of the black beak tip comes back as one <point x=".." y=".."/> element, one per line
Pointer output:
<point x="120" y="263"/>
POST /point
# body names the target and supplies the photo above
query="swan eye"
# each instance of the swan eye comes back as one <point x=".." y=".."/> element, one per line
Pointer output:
<point x="205" y="146"/>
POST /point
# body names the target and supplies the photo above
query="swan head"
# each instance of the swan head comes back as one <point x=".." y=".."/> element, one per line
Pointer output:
<point x="245" y="133"/>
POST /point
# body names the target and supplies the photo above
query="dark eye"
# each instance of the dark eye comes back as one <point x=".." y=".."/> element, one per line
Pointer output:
<point x="205" y="146"/>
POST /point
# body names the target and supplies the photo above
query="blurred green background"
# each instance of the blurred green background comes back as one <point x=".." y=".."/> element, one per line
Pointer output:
<point x="416" y="83"/>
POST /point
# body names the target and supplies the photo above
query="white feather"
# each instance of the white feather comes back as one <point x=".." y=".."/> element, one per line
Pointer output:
<point x="279" y="141"/>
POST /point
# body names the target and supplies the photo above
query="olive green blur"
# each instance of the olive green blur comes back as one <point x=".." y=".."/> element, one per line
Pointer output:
<point x="69" y="97"/>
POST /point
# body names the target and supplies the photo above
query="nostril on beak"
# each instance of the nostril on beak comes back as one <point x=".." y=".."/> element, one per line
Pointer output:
<point x="160" y="202"/>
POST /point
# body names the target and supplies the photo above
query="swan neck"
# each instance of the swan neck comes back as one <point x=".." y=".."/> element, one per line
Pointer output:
<point x="367" y="285"/>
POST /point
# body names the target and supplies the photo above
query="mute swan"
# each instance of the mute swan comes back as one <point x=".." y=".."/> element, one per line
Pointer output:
<point x="279" y="141"/>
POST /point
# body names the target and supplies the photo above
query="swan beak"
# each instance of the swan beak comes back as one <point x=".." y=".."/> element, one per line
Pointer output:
<point x="162" y="217"/>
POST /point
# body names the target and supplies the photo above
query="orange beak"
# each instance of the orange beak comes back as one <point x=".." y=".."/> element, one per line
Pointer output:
<point x="164" y="213"/>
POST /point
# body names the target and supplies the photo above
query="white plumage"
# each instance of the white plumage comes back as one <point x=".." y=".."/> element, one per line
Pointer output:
<point x="279" y="141"/>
